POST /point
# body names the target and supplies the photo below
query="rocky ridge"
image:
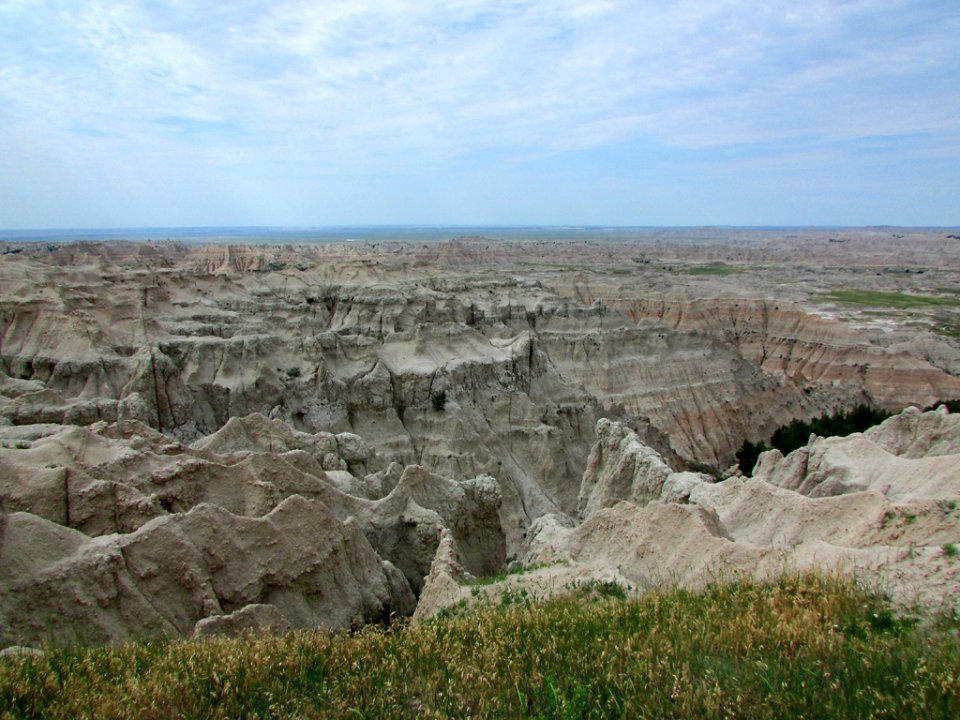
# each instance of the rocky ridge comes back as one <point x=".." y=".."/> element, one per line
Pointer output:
<point x="644" y="525"/>
<point x="112" y="532"/>
<point x="150" y="390"/>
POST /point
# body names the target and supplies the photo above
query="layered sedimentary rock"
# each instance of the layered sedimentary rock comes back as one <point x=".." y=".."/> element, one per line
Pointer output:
<point x="184" y="353"/>
<point x="490" y="400"/>
<point x="711" y="372"/>
<point x="783" y="338"/>
<point x="184" y="338"/>
<point x="645" y="525"/>
<point x="114" y="532"/>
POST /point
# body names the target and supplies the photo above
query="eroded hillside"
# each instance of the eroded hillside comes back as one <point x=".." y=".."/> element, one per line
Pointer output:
<point x="393" y="395"/>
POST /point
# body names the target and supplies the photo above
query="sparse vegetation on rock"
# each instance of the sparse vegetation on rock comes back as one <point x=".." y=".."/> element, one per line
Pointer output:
<point x="796" y="433"/>
<point x="207" y="439"/>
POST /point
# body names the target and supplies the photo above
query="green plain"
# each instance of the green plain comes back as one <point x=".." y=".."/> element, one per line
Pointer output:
<point x="874" y="298"/>
<point x="711" y="270"/>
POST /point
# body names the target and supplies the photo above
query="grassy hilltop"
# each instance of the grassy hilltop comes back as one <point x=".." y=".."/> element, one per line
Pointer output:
<point x="808" y="646"/>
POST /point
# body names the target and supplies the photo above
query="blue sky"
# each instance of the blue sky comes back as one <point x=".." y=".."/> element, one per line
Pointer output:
<point x="681" y="112"/>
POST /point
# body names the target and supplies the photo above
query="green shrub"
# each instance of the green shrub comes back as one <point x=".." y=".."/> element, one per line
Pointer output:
<point x="796" y="433"/>
<point x="748" y="454"/>
<point x="439" y="400"/>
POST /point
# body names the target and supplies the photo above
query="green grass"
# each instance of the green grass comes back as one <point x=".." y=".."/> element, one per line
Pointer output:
<point x="713" y="269"/>
<point x="873" y="298"/>
<point x="802" y="647"/>
<point x="501" y="576"/>
<point x="947" y="330"/>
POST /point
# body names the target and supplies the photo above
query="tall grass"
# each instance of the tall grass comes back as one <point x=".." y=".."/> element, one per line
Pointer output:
<point x="802" y="647"/>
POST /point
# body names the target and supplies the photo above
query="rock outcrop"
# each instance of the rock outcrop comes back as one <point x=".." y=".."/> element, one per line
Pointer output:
<point x="621" y="467"/>
<point x="915" y="434"/>
<point x="838" y="465"/>
<point x="178" y="422"/>
<point x="352" y="339"/>
<point x="59" y="586"/>
<point x="895" y="525"/>
<point x="710" y="373"/>
<point x="113" y="532"/>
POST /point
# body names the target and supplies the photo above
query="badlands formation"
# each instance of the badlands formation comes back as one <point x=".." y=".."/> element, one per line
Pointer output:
<point x="206" y="439"/>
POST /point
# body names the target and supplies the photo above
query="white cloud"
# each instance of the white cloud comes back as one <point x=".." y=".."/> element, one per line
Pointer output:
<point x="380" y="84"/>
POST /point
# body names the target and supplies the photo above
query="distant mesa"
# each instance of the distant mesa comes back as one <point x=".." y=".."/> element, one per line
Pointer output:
<point x="472" y="239"/>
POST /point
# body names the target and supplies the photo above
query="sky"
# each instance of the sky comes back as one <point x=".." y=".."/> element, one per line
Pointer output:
<point x="150" y="113"/>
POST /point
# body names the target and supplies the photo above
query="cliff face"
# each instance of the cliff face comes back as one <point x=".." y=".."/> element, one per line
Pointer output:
<point x="810" y="350"/>
<point x="184" y="338"/>
<point x="710" y="373"/>
<point x="151" y="392"/>
<point x="842" y="505"/>
<point x="183" y="351"/>
<point x="112" y="531"/>
<point x="700" y="392"/>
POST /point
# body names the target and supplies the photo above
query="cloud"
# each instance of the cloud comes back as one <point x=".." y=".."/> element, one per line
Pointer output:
<point x="472" y="74"/>
<point x="375" y="85"/>
<point x="90" y="132"/>
<point x="197" y="128"/>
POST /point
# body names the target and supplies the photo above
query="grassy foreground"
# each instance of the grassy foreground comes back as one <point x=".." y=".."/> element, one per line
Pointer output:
<point x="803" y="647"/>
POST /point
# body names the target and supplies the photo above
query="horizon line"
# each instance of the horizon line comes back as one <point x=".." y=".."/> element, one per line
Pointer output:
<point x="441" y="226"/>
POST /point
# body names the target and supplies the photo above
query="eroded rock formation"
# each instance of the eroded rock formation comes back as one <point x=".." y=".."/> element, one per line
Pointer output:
<point x="889" y="524"/>
<point x="112" y="532"/>
<point x="159" y="398"/>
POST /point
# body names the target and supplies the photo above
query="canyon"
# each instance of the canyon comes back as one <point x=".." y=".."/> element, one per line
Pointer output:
<point x="202" y="438"/>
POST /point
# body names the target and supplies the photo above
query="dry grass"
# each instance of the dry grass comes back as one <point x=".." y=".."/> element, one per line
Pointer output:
<point x="805" y="646"/>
